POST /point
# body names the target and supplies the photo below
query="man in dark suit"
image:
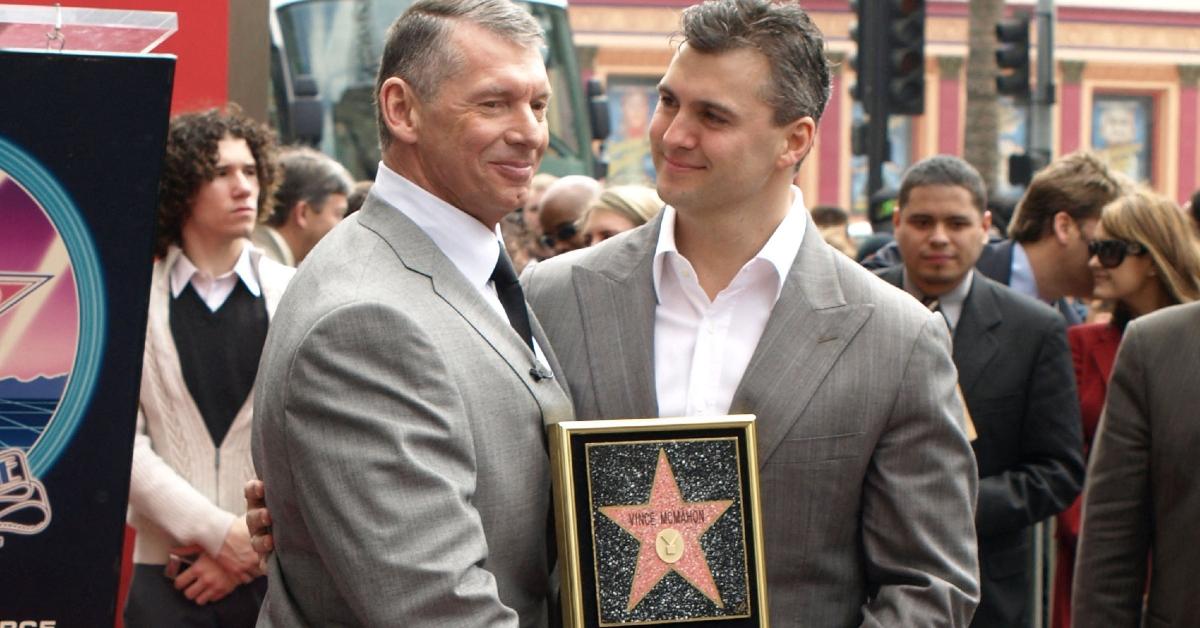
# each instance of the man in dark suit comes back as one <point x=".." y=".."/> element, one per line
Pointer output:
<point x="403" y="390"/>
<point x="1143" y="496"/>
<point x="1046" y="254"/>
<point x="1014" y="368"/>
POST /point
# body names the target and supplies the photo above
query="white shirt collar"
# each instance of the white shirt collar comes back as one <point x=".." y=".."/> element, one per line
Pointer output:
<point x="184" y="270"/>
<point x="780" y="249"/>
<point x="470" y="246"/>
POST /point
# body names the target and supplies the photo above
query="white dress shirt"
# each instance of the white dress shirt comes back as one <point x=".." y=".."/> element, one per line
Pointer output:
<point x="214" y="290"/>
<point x="702" y="347"/>
<point x="470" y="246"/>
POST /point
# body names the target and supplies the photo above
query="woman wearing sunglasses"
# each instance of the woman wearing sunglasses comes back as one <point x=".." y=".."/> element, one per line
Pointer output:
<point x="1143" y="258"/>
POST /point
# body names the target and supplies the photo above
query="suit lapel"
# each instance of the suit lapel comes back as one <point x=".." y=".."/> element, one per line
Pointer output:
<point x="807" y="331"/>
<point x="622" y="283"/>
<point x="975" y="343"/>
<point x="419" y="254"/>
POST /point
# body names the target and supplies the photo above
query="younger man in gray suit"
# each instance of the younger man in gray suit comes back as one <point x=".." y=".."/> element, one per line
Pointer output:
<point x="399" y="417"/>
<point x="730" y="302"/>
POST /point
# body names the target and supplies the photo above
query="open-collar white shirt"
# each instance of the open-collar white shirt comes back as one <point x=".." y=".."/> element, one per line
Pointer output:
<point x="214" y="291"/>
<point x="471" y="247"/>
<point x="702" y="347"/>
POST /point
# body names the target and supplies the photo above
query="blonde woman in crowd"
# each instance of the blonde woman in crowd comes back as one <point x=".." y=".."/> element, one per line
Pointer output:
<point x="618" y="209"/>
<point x="1143" y="258"/>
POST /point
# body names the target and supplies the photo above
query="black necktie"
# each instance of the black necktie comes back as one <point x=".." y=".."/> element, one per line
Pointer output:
<point x="512" y="298"/>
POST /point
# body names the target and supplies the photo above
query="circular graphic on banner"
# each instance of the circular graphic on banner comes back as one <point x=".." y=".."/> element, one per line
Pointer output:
<point x="51" y="313"/>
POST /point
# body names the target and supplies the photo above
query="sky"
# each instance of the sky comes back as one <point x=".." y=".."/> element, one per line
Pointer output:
<point x="39" y="334"/>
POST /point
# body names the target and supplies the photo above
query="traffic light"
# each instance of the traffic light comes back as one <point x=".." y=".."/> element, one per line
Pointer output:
<point x="906" y="57"/>
<point x="861" y="62"/>
<point x="1012" y="56"/>
<point x="1022" y="167"/>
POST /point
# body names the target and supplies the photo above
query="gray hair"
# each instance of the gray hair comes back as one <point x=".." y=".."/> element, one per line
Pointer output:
<point x="944" y="170"/>
<point x="417" y="47"/>
<point x="799" y="84"/>
<point x="308" y="175"/>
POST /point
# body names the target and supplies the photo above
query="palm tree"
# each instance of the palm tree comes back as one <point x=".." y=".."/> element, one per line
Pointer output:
<point x="982" y="132"/>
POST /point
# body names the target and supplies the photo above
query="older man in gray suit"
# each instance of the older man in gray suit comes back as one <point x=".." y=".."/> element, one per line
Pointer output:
<point x="1141" y="506"/>
<point x="731" y="302"/>
<point x="399" y="415"/>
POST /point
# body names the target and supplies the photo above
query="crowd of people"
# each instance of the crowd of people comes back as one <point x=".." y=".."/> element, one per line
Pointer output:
<point x="377" y="362"/>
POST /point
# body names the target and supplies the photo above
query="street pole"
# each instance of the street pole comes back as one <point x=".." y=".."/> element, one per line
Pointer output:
<point x="1040" y="150"/>
<point x="875" y="102"/>
<point x="1041" y="110"/>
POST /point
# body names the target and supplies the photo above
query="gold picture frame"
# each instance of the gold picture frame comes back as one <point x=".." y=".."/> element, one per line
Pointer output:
<point x="659" y="522"/>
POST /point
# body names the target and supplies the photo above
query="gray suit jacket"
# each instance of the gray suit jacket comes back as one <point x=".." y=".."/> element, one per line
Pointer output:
<point x="868" y="483"/>
<point x="1142" y="500"/>
<point x="399" y="427"/>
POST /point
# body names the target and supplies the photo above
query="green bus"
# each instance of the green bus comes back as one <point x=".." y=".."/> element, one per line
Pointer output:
<point x="324" y="57"/>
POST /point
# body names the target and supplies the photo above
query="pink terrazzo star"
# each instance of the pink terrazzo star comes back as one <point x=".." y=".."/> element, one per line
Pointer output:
<point x="651" y="524"/>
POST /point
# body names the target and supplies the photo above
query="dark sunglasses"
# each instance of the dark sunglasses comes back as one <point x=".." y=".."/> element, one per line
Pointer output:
<point x="565" y="231"/>
<point x="1111" y="253"/>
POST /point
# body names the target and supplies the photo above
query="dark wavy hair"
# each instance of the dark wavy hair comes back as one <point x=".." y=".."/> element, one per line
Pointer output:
<point x="793" y="45"/>
<point x="191" y="161"/>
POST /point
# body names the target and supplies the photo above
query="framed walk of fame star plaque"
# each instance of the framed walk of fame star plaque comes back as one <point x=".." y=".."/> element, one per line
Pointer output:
<point x="658" y="522"/>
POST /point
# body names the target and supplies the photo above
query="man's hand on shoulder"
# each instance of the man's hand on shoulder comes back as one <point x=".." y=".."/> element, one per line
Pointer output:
<point x="258" y="522"/>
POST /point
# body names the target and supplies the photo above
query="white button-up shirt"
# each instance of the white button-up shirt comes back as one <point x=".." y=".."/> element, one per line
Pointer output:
<point x="214" y="291"/>
<point x="470" y="246"/>
<point x="702" y="347"/>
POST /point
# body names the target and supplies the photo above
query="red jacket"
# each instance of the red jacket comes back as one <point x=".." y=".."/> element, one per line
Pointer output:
<point x="1093" y="349"/>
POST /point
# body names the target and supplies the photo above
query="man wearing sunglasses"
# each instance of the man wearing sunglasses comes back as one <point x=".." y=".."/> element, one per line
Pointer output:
<point x="1014" y="368"/>
<point x="1046" y="256"/>
<point x="560" y="209"/>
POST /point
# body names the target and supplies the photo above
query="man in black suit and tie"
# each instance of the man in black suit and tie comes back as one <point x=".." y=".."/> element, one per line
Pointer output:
<point x="1014" y="368"/>
<point x="1046" y="254"/>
